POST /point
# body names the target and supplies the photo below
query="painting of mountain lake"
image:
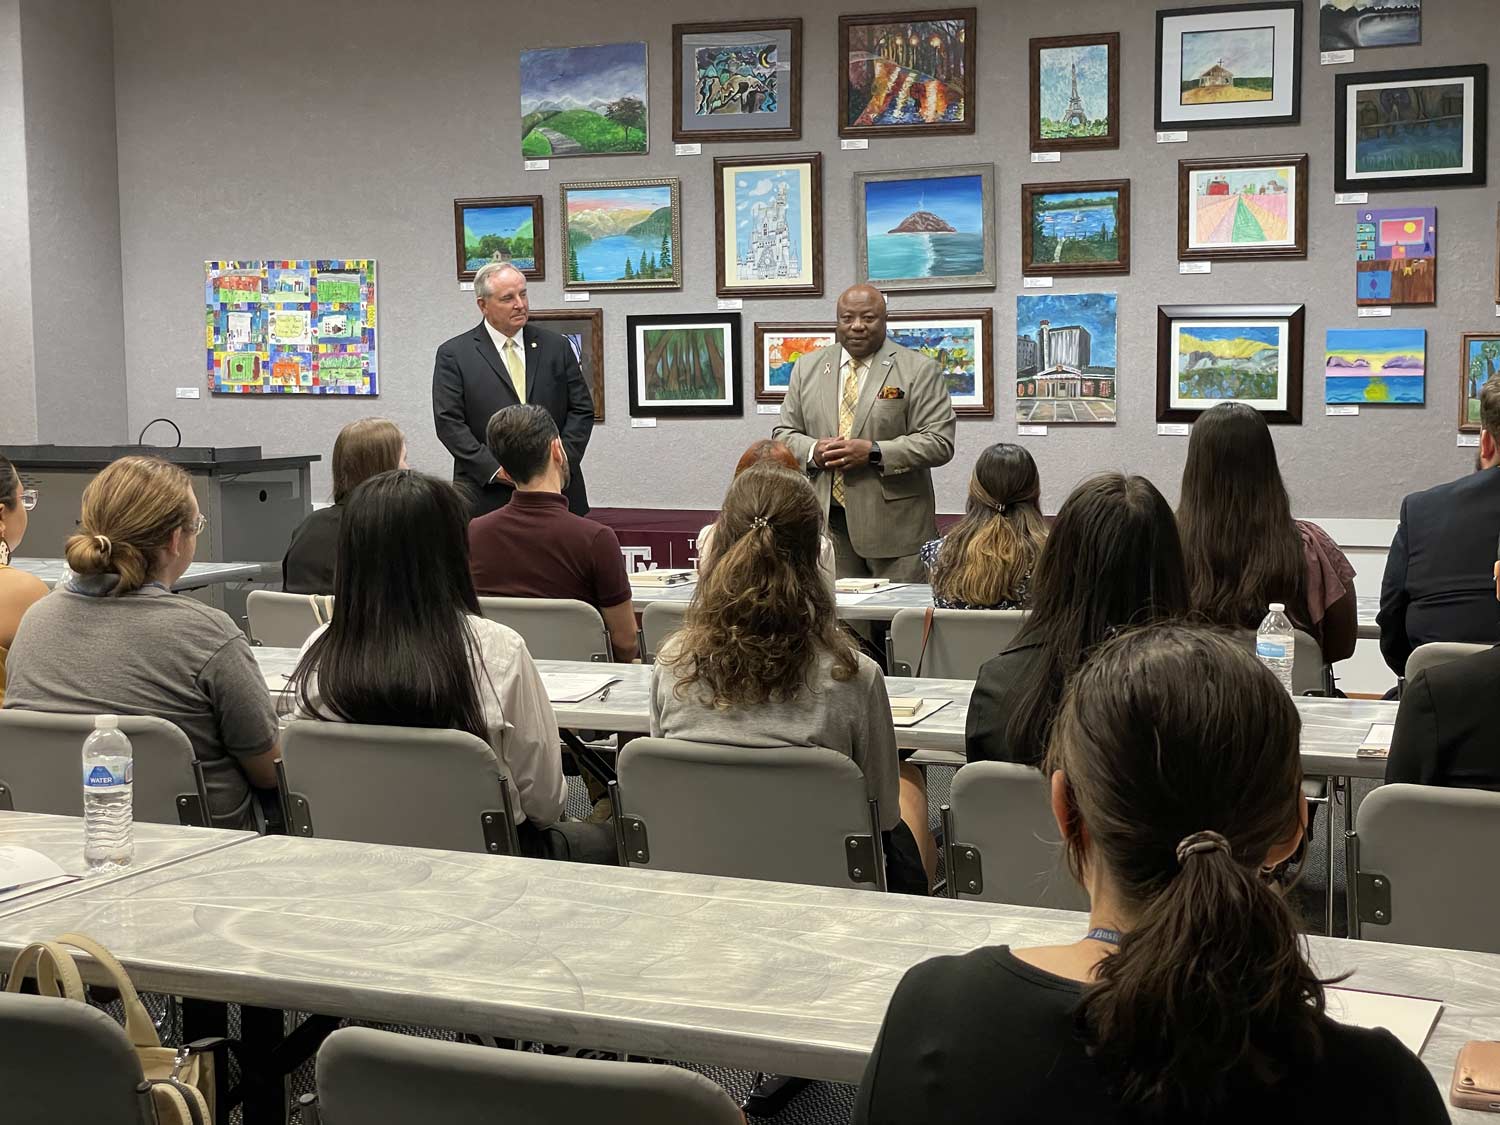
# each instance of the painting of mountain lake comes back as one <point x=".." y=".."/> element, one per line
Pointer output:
<point x="625" y="234"/>
<point x="583" y="101"/>
<point x="1075" y="228"/>
<point x="926" y="230"/>
<point x="1411" y="129"/>
<point x="1376" y="366"/>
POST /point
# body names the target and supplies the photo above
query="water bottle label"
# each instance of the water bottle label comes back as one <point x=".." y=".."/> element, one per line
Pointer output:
<point x="101" y="777"/>
<point x="1272" y="650"/>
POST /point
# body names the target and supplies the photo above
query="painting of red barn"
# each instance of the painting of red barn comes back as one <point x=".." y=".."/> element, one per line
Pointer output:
<point x="907" y="73"/>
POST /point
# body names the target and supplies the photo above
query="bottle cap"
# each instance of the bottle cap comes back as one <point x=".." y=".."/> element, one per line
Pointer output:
<point x="106" y="722"/>
<point x="1278" y="607"/>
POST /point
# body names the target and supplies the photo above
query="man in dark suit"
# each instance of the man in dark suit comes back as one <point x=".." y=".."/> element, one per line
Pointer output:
<point x="1445" y="729"/>
<point x="481" y="371"/>
<point x="1435" y="586"/>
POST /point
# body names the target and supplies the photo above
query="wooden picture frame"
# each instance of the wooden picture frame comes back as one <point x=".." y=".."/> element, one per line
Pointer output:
<point x="1290" y="320"/>
<point x="630" y="200"/>
<point x="1253" y="209"/>
<point x="1110" y="138"/>
<point x="691" y="343"/>
<point x="590" y="352"/>
<point x="797" y="235"/>
<point x="810" y="334"/>
<point x="1033" y="216"/>
<point x="875" y="193"/>
<point x="851" y="25"/>
<point x="942" y="323"/>
<point x="1184" y="44"/>
<point x="1468" y="420"/>
<point x="779" y="126"/>
<point x="461" y="209"/>
<point x="1471" y="155"/>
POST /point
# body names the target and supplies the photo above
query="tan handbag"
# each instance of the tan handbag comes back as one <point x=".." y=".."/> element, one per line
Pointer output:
<point x="182" y="1078"/>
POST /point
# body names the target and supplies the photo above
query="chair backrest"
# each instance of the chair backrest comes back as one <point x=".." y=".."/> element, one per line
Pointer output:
<point x="553" y="628"/>
<point x="960" y="641"/>
<point x="406" y="786"/>
<point x="1434" y="653"/>
<point x="793" y="814"/>
<point x="369" y="1077"/>
<point x="40" y="767"/>
<point x="279" y="620"/>
<point x="659" y="620"/>
<point x="1424" y="867"/>
<point x="63" y="1062"/>
<point x="1001" y="843"/>
<point x="1309" y="673"/>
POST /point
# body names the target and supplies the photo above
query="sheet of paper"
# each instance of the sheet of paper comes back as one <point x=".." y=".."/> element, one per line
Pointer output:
<point x="24" y="871"/>
<point x="1409" y="1018"/>
<point x="574" y="687"/>
<point x="1377" y="743"/>
<point x="929" y="707"/>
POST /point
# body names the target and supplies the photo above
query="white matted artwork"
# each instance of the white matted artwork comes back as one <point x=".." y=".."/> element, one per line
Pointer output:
<point x="1228" y="66"/>
<point x="685" y="364"/>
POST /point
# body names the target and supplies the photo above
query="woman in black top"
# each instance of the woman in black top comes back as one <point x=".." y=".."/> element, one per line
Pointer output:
<point x="362" y="449"/>
<point x="1176" y="783"/>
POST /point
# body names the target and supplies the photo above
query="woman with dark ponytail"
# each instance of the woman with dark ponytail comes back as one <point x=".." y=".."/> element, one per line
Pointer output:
<point x="1176" y="783"/>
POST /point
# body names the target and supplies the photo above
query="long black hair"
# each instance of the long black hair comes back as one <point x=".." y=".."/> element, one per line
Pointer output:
<point x="399" y="651"/>
<point x="1112" y="559"/>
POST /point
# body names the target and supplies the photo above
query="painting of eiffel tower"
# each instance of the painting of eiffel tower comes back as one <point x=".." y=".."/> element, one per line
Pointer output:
<point x="1077" y="116"/>
<point x="1075" y="92"/>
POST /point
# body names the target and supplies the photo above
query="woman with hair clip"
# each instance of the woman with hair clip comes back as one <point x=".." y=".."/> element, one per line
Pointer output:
<point x="761" y="660"/>
<point x="115" y="639"/>
<point x="985" y="560"/>
<point x="1176" y="783"/>
<point x="1243" y="548"/>
<point x="19" y="591"/>
<point x="1112" y="559"/>
<point x="407" y="646"/>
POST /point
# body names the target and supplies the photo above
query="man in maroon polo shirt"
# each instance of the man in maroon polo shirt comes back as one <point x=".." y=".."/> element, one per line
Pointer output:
<point x="534" y="547"/>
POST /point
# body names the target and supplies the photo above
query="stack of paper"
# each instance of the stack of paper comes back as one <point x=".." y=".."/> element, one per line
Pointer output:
<point x="663" y="577"/>
<point x="1377" y="743"/>
<point x="925" y="708"/>
<point x="575" y="687"/>
<point x="1408" y="1018"/>
<point x="905" y="706"/>
<point x="24" y="872"/>
<point x="859" y="585"/>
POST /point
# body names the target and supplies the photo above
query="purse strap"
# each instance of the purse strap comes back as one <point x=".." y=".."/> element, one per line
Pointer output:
<point x="55" y="971"/>
<point x="926" y="633"/>
<point x="138" y="1025"/>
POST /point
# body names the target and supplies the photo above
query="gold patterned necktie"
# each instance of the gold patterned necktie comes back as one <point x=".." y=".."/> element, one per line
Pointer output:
<point x="515" y="363"/>
<point x="846" y="418"/>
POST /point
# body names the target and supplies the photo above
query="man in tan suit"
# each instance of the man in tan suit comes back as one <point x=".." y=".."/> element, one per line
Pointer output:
<point x="870" y="420"/>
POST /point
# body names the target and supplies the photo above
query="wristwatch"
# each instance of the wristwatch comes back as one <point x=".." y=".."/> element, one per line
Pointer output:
<point x="875" y="454"/>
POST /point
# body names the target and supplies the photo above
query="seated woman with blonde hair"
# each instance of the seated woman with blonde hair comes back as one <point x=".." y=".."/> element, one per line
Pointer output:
<point x="19" y="591"/>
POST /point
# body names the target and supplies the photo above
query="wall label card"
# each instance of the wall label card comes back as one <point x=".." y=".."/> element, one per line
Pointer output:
<point x="849" y="143"/>
<point x="768" y="408"/>
<point x="1173" y="429"/>
<point x="1036" y="283"/>
<point x="1046" y="157"/>
<point x="691" y="149"/>
<point x="466" y="287"/>
<point x="1347" y="411"/>
<point x="1031" y="431"/>
<point x="537" y="165"/>
<point x="1380" y="310"/>
<point x="643" y="423"/>
<point x="1176" y="136"/>
<point x="187" y="392"/>
<point x="1195" y="267"/>
<point x="731" y="304"/>
<point x="1468" y="441"/>
<point x="1334" y="58"/>
<point x="576" y="295"/>
<point x="1342" y="197"/>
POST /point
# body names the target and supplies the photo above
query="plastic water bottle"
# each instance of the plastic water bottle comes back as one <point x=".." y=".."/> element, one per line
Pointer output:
<point x="1276" y="646"/>
<point x="108" y="782"/>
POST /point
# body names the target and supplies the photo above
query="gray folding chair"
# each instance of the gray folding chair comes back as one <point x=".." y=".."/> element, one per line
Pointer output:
<point x="959" y="642"/>
<point x="407" y="786"/>
<point x="1423" y="863"/>
<point x="62" y="1062"/>
<point x="792" y="814"/>
<point x="279" y="620"/>
<point x="1001" y="843"/>
<point x="1434" y="653"/>
<point x="659" y="620"/>
<point x="1310" y="674"/>
<point x="39" y="756"/>
<point x="369" y="1077"/>
<point x="553" y="628"/>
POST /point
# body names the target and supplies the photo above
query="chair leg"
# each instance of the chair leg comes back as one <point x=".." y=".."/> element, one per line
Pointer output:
<point x="771" y="1094"/>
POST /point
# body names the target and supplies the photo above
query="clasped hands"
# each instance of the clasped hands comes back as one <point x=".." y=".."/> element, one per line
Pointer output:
<point x="841" y="455"/>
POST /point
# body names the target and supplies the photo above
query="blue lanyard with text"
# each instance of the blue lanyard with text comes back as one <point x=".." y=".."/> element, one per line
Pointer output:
<point x="1100" y="933"/>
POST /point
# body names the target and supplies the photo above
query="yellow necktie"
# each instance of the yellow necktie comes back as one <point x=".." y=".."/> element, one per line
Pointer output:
<point x="515" y="363"/>
<point x="846" y="418"/>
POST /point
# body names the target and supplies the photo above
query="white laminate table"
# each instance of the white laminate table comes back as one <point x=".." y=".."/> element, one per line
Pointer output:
<point x="60" y="839"/>
<point x="1367" y="608"/>
<point x="878" y="605"/>
<point x="753" y="975"/>
<point x="199" y="574"/>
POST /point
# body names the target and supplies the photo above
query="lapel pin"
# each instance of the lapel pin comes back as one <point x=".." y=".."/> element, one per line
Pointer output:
<point x="533" y="343"/>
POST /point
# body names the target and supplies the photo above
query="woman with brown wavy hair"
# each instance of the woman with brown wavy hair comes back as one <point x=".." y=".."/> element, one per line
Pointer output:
<point x="761" y="660"/>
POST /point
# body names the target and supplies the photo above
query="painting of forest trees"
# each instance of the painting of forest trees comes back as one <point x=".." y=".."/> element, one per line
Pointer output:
<point x="1479" y="362"/>
<point x="907" y="76"/>
<point x="684" y="364"/>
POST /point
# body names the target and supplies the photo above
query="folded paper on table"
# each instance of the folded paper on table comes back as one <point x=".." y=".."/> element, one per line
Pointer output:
<point x="663" y="577"/>
<point x="574" y="687"/>
<point x="24" y="871"/>
<point x="929" y="707"/>
<point x="1409" y="1018"/>
<point x="1377" y="743"/>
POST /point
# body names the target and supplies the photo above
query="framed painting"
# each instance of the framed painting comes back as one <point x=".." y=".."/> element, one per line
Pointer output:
<point x="1345" y="25"/>
<point x="768" y="225"/>
<point x="1208" y="354"/>
<point x="1075" y="228"/>
<point x="1221" y="67"/>
<point x="737" y="81"/>
<point x="1075" y="92"/>
<point x="778" y="347"/>
<point x="685" y="364"/>
<point x="500" y="229"/>
<point x="584" y="101"/>
<point x="583" y="329"/>
<point x="1395" y="251"/>
<point x="962" y="343"/>
<point x="926" y="228"/>
<point x="1479" y="362"/>
<point x="1065" y="359"/>
<point x="908" y="74"/>
<point x="622" y="234"/>
<point x="1242" y="209"/>
<point x="1375" y="366"/>
<point x="1396" y="130"/>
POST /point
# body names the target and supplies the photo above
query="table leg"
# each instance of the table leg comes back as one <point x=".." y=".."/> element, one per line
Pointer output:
<point x="1333" y="788"/>
<point x="265" y="1089"/>
<point x="1351" y="866"/>
<point x="209" y="1019"/>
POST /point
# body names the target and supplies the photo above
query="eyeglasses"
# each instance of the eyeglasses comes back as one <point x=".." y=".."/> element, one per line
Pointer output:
<point x="196" y="525"/>
<point x="28" y="498"/>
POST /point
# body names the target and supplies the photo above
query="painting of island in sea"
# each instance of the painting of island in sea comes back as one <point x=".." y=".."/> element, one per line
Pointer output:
<point x="1375" y="366"/>
<point x="927" y="229"/>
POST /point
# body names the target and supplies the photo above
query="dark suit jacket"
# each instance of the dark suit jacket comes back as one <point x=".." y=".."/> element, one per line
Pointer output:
<point x="470" y="383"/>
<point x="1445" y="730"/>
<point x="309" y="563"/>
<point x="1438" y="582"/>
<point x="998" y="687"/>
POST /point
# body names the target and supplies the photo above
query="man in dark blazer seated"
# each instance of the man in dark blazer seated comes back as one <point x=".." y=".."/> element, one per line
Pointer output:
<point x="1436" y="585"/>
<point x="481" y="371"/>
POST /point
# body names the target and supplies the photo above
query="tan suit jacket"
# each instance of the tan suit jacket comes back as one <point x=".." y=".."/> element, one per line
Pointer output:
<point x="904" y="405"/>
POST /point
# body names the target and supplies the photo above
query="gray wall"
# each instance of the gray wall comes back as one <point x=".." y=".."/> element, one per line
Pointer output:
<point x="17" y="357"/>
<point x="347" y="128"/>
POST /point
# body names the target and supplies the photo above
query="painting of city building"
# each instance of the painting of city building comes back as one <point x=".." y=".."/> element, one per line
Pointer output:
<point x="769" y="223"/>
<point x="1395" y="253"/>
<point x="1065" y="358"/>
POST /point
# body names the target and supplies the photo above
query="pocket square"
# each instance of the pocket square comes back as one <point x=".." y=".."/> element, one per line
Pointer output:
<point x="891" y="392"/>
